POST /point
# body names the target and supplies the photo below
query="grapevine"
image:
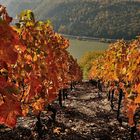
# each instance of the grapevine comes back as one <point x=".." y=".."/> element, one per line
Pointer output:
<point x="119" y="68"/>
<point x="34" y="66"/>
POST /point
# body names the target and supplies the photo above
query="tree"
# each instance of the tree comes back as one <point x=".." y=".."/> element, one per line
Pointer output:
<point x="86" y="61"/>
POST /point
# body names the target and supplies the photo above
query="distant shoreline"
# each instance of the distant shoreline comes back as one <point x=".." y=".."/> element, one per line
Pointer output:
<point x="105" y="40"/>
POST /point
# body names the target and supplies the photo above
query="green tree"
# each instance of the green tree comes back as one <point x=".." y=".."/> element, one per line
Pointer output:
<point x="86" y="61"/>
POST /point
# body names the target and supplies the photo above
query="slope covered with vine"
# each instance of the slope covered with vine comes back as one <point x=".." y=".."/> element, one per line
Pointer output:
<point x="34" y="66"/>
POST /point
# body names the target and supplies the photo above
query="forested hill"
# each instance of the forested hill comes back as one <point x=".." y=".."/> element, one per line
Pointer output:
<point x="96" y="18"/>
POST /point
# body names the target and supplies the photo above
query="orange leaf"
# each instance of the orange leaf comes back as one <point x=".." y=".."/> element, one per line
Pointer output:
<point x="137" y="100"/>
<point x="29" y="58"/>
<point x="130" y="112"/>
<point x="130" y="116"/>
<point x="25" y="110"/>
<point x="138" y="88"/>
<point x="38" y="105"/>
<point x="20" y="47"/>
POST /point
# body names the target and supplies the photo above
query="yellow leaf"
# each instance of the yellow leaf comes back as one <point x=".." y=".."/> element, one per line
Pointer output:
<point x="35" y="58"/>
<point x="124" y="70"/>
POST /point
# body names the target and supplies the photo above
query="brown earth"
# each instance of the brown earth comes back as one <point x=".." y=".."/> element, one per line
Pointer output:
<point x="84" y="116"/>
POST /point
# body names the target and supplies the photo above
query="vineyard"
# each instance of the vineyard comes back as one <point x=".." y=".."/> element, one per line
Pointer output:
<point x="119" y="70"/>
<point x="42" y="95"/>
<point x="34" y="67"/>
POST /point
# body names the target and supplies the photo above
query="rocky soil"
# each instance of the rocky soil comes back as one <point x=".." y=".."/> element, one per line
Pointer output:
<point x="84" y="116"/>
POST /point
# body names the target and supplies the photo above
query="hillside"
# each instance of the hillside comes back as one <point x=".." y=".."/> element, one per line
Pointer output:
<point x="107" y="20"/>
<point x="95" y="18"/>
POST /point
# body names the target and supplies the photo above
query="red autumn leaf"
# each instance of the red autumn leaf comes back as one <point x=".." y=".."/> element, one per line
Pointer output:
<point x="35" y="88"/>
<point x="8" y="55"/>
<point x="3" y="65"/>
<point x="39" y="89"/>
<point x="8" y="40"/>
<point x="3" y="83"/>
<point x="52" y="95"/>
<point x="9" y="111"/>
